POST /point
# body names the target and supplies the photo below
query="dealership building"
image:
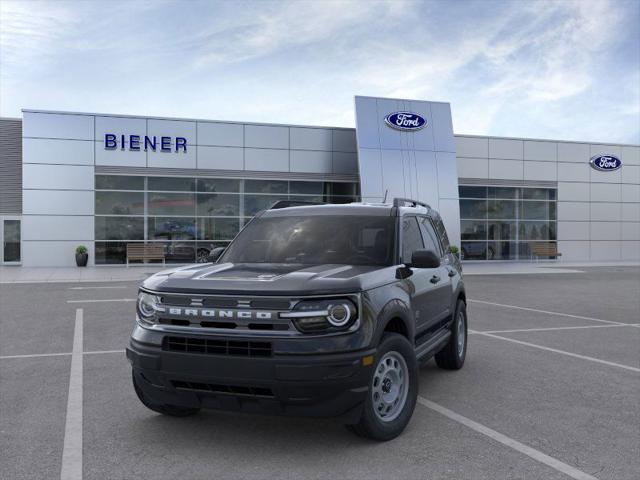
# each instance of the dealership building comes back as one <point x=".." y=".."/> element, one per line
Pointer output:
<point x="113" y="182"/>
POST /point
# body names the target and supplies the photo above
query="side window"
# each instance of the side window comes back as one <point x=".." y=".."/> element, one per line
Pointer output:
<point x="430" y="239"/>
<point x="442" y="233"/>
<point x="411" y="238"/>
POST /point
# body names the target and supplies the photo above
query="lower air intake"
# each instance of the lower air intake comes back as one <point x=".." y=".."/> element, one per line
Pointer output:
<point x="230" y="389"/>
<point x="217" y="347"/>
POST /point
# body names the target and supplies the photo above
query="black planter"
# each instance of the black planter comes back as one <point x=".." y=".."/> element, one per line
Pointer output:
<point x="82" y="259"/>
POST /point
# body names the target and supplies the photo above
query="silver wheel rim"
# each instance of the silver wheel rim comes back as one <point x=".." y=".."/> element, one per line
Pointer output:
<point x="461" y="334"/>
<point x="390" y="386"/>
<point x="203" y="256"/>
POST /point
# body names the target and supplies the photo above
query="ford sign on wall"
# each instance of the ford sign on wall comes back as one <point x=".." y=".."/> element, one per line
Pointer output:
<point x="605" y="163"/>
<point x="405" y="121"/>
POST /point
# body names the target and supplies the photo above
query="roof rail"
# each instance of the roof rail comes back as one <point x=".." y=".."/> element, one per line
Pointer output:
<point x="400" y="202"/>
<point x="291" y="203"/>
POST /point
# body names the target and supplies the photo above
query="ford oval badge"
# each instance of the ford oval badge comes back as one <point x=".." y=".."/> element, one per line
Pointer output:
<point x="605" y="163"/>
<point x="405" y="121"/>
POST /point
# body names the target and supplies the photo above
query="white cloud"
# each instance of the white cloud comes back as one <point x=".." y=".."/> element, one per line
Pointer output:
<point x="28" y="28"/>
<point x="267" y="28"/>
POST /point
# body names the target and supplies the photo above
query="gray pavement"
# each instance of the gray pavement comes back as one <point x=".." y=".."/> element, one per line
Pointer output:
<point x="572" y="396"/>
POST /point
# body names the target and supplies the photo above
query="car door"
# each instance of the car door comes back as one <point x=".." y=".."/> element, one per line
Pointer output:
<point x="440" y="299"/>
<point x="420" y="284"/>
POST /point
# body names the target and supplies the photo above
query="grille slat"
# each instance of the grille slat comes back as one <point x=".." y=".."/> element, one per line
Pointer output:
<point x="228" y="389"/>
<point x="217" y="347"/>
<point x="278" y="325"/>
<point x="228" y="302"/>
<point x="271" y="304"/>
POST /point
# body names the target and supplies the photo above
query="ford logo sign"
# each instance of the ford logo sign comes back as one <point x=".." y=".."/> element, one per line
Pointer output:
<point x="605" y="163"/>
<point x="405" y="121"/>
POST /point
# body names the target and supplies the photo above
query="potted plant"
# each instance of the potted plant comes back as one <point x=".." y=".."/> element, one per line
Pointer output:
<point x="453" y="249"/>
<point x="82" y="256"/>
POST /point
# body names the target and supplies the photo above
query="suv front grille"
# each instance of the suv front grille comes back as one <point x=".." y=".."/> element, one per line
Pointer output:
<point x="225" y="313"/>
<point x="217" y="347"/>
<point x="230" y="389"/>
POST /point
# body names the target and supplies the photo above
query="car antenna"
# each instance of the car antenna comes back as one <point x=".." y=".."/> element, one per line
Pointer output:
<point x="384" y="200"/>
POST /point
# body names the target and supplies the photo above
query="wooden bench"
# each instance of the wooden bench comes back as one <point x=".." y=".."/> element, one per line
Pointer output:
<point x="545" y="249"/>
<point x="143" y="252"/>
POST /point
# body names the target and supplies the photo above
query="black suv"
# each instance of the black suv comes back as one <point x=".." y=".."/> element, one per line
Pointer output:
<point x="322" y="310"/>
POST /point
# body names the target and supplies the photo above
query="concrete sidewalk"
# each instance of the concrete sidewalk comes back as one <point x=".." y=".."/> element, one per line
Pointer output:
<point x="529" y="268"/>
<point x="16" y="274"/>
<point x="11" y="274"/>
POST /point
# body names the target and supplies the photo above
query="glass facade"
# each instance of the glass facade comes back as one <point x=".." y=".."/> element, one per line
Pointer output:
<point x="10" y="233"/>
<point x="503" y="223"/>
<point x="190" y="216"/>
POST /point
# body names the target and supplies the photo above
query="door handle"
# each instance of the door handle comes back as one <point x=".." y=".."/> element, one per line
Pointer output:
<point x="435" y="279"/>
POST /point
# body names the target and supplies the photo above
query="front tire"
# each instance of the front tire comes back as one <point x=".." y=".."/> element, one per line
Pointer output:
<point x="165" y="409"/>
<point x="452" y="356"/>
<point x="393" y="390"/>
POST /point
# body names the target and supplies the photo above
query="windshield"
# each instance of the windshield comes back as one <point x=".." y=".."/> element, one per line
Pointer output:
<point x="315" y="240"/>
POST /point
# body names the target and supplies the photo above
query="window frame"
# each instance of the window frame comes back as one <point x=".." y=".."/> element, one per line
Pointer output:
<point x="435" y="236"/>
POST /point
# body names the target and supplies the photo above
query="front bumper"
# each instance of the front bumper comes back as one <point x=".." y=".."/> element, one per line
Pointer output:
<point x="319" y="385"/>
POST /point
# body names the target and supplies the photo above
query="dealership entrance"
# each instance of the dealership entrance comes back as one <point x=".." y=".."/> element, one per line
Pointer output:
<point x="10" y="233"/>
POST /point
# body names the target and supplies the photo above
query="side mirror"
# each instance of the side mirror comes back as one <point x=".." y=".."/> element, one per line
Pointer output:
<point x="215" y="254"/>
<point x="424" y="259"/>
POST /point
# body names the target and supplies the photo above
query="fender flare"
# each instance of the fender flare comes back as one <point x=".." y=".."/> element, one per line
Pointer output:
<point x="394" y="309"/>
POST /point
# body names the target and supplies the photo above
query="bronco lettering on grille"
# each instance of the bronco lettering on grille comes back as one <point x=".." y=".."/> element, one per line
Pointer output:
<point x="214" y="313"/>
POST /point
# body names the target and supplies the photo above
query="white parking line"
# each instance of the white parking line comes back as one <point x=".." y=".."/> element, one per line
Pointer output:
<point x="100" y="352"/>
<point x="62" y="354"/>
<point x="72" y="449"/>
<point x="103" y="300"/>
<point x="509" y="442"/>
<point x="562" y="352"/>
<point x="549" y="329"/>
<point x="560" y="314"/>
<point x="35" y="355"/>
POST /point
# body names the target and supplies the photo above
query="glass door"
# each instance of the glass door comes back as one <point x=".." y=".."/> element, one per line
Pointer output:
<point x="11" y="236"/>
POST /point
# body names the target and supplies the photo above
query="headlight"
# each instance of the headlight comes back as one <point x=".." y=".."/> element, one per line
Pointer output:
<point x="311" y="316"/>
<point x="340" y="314"/>
<point x="147" y="307"/>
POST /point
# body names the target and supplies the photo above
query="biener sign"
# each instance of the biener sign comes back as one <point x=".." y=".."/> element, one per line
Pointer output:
<point x="139" y="142"/>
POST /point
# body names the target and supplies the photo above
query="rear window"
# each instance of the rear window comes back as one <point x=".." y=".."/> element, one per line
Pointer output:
<point x="315" y="240"/>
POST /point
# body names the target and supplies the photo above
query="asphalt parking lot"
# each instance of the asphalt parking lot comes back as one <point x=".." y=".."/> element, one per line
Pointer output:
<point x="551" y="389"/>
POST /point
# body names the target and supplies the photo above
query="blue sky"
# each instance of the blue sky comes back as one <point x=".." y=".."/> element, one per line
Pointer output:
<point x="544" y="69"/>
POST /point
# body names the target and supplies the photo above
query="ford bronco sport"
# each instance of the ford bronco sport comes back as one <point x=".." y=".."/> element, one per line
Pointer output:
<point x="320" y="310"/>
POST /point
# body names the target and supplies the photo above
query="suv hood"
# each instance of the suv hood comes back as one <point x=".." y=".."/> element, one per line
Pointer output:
<point x="270" y="279"/>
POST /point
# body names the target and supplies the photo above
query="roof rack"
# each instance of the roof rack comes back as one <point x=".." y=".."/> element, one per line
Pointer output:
<point x="291" y="203"/>
<point x="400" y="202"/>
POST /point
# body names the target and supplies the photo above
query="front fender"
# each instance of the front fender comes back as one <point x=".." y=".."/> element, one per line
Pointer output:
<point x="386" y="304"/>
